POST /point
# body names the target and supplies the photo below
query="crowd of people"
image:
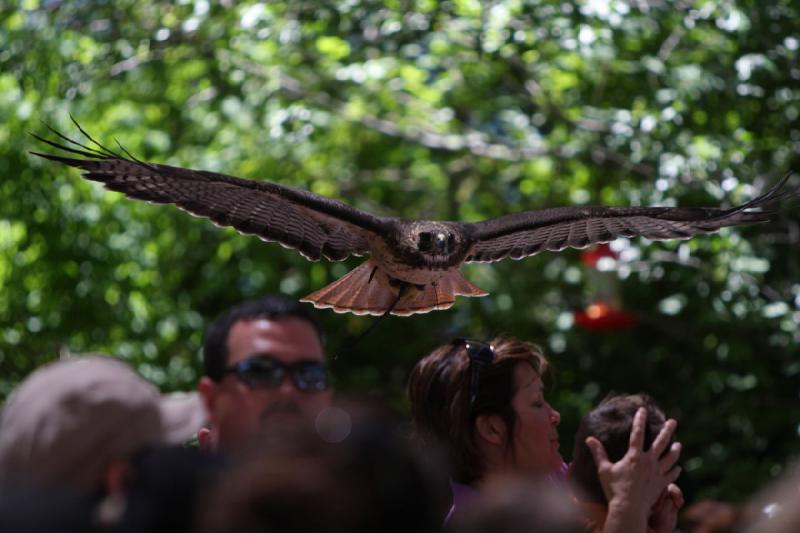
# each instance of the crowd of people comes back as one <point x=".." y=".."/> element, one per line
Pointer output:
<point x="87" y="445"/>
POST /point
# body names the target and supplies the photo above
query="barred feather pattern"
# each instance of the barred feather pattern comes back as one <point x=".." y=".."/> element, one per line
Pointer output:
<point x="585" y="232"/>
<point x="367" y="290"/>
<point x="319" y="227"/>
<point x="224" y="200"/>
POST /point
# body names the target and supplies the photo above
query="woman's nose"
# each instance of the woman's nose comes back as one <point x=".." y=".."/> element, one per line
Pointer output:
<point x="555" y="417"/>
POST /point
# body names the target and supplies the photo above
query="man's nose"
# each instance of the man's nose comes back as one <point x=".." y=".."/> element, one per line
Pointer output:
<point x="287" y="385"/>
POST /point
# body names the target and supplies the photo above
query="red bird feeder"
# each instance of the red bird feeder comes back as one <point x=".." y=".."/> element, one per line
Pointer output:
<point x="604" y="312"/>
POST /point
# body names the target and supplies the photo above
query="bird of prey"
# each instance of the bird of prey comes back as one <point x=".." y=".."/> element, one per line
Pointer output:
<point x="413" y="265"/>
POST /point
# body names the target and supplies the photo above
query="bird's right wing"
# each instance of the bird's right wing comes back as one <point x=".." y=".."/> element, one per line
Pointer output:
<point x="523" y="234"/>
<point x="314" y="225"/>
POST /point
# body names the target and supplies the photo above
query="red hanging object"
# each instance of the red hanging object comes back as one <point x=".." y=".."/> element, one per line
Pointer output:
<point x="602" y="317"/>
<point x="590" y="256"/>
<point x="604" y="312"/>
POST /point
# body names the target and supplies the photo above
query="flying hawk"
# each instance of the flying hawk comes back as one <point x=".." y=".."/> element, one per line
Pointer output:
<point x="413" y="265"/>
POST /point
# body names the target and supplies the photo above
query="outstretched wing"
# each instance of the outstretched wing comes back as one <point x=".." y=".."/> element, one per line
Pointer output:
<point x="522" y="234"/>
<point x="314" y="225"/>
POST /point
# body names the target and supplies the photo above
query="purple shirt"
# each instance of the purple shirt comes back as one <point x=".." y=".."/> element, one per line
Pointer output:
<point x="464" y="496"/>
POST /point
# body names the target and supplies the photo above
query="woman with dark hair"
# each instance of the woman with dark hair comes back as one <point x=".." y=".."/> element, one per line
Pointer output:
<point x="485" y="405"/>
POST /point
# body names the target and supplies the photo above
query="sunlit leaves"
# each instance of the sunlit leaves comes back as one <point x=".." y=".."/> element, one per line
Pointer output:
<point x="458" y="109"/>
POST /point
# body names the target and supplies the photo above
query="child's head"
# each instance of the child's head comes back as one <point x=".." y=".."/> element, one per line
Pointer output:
<point x="610" y="422"/>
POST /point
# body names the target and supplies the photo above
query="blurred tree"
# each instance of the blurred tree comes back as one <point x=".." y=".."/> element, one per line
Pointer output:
<point x="459" y="109"/>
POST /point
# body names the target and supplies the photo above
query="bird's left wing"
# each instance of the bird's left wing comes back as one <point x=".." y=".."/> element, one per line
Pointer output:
<point x="519" y="235"/>
<point x="314" y="225"/>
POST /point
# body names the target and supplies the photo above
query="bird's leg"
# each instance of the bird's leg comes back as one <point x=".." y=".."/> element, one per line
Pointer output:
<point x="403" y="287"/>
<point x="400" y="293"/>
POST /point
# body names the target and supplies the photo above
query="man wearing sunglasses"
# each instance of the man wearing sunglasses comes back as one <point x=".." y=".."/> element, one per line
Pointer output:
<point x="263" y="362"/>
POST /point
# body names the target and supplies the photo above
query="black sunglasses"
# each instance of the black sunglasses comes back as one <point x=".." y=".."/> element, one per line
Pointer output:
<point x="265" y="372"/>
<point x="480" y="355"/>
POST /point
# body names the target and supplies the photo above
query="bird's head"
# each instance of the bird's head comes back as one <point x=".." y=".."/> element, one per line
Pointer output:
<point x="436" y="242"/>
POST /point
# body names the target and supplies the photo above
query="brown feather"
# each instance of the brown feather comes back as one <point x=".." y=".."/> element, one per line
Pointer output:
<point x="366" y="290"/>
<point x="403" y="252"/>
<point x="314" y="225"/>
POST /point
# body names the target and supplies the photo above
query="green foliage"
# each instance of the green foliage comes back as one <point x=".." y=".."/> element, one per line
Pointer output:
<point x="448" y="110"/>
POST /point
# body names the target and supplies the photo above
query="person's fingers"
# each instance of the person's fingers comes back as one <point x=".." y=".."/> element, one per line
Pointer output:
<point x="205" y="439"/>
<point x="673" y="475"/>
<point x="664" y="436"/>
<point x="663" y="497"/>
<point x="637" y="429"/>
<point x="669" y="460"/>
<point x="676" y="495"/>
<point x="598" y="451"/>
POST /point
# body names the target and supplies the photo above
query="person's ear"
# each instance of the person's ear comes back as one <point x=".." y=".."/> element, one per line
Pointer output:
<point x="115" y="474"/>
<point x="208" y="391"/>
<point x="111" y="507"/>
<point x="492" y="429"/>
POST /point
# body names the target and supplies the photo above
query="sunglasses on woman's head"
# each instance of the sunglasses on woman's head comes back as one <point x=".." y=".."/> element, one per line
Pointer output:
<point x="480" y="355"/>
<point x="266" y="372"/>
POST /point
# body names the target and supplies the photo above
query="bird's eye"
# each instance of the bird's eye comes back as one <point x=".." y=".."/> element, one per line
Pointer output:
<point x="425" y="239"/>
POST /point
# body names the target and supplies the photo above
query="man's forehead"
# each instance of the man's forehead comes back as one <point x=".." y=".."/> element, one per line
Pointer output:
<point x="287" y="338"/>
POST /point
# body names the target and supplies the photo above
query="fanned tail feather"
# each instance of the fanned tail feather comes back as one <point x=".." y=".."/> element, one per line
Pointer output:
<point x="437" y="295"/>
<point x="456" y="284"/>
<point x="366" y="290"/>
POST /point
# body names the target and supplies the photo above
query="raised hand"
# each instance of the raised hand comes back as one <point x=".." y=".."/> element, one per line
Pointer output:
<point x="634" y="484"/>
<point x="664" y="517"/>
